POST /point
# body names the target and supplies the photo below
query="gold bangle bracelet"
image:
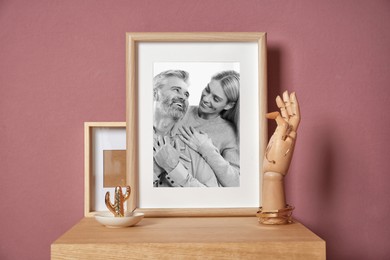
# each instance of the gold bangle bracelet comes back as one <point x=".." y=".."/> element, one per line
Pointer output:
<point x="275" y="217"/>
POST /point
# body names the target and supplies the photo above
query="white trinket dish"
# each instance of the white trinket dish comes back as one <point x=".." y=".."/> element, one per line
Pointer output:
<point x="109" y="220"/>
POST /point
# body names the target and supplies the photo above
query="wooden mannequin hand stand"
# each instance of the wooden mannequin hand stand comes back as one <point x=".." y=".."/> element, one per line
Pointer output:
<point x="277" y="160"/>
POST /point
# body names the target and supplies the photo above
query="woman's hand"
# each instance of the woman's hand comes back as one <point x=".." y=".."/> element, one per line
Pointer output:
<point x="194" y="139"/>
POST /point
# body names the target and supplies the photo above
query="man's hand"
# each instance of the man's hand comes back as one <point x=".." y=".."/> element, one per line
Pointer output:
<point x="165" y="155"/>
<point x="281" y="145"/>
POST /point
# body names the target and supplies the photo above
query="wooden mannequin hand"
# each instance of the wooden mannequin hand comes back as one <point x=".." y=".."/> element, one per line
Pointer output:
<point x="281" y="145"/>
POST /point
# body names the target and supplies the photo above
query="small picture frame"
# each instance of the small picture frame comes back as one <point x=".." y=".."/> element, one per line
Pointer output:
<point x="104" y="162"/>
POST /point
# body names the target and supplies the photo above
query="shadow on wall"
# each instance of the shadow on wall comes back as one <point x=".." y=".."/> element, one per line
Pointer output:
<point x="325" y="194"/>
<point x="312" y="179"/>
<point x="324" y="182"/>
<point x="325" y="151"/>
<point x="273" y="81"/>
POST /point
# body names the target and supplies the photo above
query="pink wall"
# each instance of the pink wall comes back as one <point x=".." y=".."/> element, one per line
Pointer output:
<point x="63" y="63"/>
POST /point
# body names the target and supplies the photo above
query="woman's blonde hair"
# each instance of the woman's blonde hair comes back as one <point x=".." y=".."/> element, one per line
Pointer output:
<point x="230" y="82"/>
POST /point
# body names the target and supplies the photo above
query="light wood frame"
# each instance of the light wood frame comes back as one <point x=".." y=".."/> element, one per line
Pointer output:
<point x="88" y="160"/>
<point x="132" y="41"/>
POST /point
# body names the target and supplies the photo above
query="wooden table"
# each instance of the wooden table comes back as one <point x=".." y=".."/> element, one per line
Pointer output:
<point x="166" y="238"/>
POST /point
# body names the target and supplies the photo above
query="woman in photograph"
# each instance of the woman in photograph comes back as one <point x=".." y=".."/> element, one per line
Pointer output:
<point x="212" y="127"/>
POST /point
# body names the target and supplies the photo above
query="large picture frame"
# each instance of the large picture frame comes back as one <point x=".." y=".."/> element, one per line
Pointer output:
<point x="100" y="137"/>
<point x="145" y="49"/>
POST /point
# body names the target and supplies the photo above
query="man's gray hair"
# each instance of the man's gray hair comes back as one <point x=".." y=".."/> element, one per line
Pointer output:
<point x="159" y="78"/>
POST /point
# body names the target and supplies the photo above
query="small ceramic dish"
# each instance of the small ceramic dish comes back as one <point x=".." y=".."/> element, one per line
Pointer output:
<point x="107" y="219"/>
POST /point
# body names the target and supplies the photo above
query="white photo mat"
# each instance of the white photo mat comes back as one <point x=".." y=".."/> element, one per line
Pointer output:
<point x="155" y="56"/>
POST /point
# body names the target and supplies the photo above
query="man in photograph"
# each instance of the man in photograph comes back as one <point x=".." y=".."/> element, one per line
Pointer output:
<point x="175" y="164"/>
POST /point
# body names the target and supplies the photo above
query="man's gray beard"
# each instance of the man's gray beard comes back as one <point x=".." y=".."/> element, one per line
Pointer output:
<point x="175" y="113"/>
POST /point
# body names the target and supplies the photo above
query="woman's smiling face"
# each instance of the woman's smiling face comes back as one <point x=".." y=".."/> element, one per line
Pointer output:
<point x="213" y="99"/>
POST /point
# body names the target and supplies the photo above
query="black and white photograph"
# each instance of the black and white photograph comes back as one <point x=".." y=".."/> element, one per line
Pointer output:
<point x="196" y="115"/>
